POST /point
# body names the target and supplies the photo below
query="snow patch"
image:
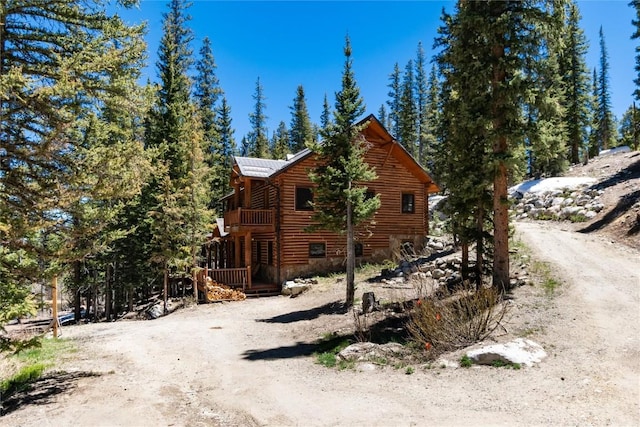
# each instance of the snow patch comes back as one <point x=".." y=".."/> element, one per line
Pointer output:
<point x="551" y="184"/>
<point x="617" y="150"/>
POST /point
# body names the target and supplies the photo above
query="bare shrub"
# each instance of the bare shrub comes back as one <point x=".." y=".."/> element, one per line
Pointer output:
<point x="457" y="320"/>
<point x="362" y="331"/>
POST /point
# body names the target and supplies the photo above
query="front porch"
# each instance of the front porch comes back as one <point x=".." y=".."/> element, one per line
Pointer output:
<point x="240" y="278"/>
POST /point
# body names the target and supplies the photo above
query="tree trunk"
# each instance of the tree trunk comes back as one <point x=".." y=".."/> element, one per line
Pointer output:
<point x="500" y="151"/>
<point x="351" y="259"/>
<point x="464" y="267"/>
<point x="500" y="228"/>
<point x="479" y="244"/>
<point x="77" y="279"/>
<point x="195" y="275"/>
<point x="166" y="286"/>
<point x="107" y="293"/>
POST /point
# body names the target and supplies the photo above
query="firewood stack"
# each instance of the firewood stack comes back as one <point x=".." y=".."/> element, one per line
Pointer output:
<point x="214" y="291"/>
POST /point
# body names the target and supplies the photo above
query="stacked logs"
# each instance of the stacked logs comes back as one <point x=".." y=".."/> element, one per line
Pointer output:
<point x="214" y="291"/>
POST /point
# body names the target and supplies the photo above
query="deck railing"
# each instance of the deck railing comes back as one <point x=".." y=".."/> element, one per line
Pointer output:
<point x="234" y="277"/>
<point x="249" y="217"/>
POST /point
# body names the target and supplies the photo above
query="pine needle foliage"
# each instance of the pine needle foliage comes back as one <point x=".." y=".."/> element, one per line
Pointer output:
<point x="486" y="47"/>
<point x="339" y="198"/>
<point x="66" y="69"/>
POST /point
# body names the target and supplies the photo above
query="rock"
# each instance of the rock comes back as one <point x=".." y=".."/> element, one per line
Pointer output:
<point x="369" y="302"/>
<point x="294" y="289"/>
<point x="521" y="351"/>
<point x="364" y="351"/>
<point x="155" y="311"/>
<point x="435" y="245"/>
<point x="438" y="273"/>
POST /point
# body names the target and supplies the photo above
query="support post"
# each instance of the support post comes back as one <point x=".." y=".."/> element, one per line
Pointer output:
<point x="54" y="296"/>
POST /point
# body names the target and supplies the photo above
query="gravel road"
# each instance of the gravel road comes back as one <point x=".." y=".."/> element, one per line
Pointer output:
<point x="250" y="364"/>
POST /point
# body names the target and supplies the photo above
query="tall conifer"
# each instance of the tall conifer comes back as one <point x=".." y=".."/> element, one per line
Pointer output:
<point x="301" y="132"/>
<point x="45" y="121"/>
<point x="395" y="96"/>
<point x="606" y="127"/>
<point x="407" y="114"/>
<point x="339" y="202"/>
<point x="258" y="139"/>
<point x="576" y="80"/>
<point x="482" y="61"/>
<point x="206" y="94"/>
<point x="635" y="36"/>
<point x="421" y="104"/>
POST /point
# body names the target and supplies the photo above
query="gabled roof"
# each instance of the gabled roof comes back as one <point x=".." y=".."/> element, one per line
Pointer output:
<point x="259" y="168"/>
<point x="263" y="168"/>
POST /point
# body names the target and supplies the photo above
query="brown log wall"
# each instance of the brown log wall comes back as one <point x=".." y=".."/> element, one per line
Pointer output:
<point x="389" y="223"/>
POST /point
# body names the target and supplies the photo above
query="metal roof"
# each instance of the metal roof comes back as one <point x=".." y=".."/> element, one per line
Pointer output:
<point x="259" y="168"/>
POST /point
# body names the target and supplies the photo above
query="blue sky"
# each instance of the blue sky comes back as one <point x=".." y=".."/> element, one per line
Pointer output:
<point x="291" y="43"/>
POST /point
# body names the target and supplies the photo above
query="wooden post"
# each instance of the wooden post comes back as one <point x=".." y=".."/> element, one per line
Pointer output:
<point x="54" y="296"/>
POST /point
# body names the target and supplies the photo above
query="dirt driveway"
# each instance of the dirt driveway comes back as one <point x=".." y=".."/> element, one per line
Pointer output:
<point x="250" y="363"/>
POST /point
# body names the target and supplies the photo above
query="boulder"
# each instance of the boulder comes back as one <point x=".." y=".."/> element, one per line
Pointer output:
<point x="520" y="350"/>
<point x="155" y="311"/>
<point x="438" y="273"/>
<point x="294" y="289"/>
<point x="364" y="351"/>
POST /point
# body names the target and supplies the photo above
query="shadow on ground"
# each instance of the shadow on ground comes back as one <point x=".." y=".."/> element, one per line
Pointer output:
<point x="630" y="172"/>
<point x="624" y="204"/>
<point x="42" y="391"/>
<point x="391" y="328"/>
<point x="312" y="313"/>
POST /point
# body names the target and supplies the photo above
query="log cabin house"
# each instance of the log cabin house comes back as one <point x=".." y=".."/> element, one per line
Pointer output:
<point x="261" y="241"/>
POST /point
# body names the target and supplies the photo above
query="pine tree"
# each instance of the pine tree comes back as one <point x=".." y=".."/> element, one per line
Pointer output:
<point x="594" y="131"/>
<point x="175" y="130"/>
<point x="382" y="115"/>
<point x="325" y="117"/>
<point x="245" y="147"/>
<point x="629" y="128"/>
<point x="606" y="128"/>
<point x="636" y="35"/>
<point x="198" y="217"/>
<point x="485" y="46"/>
<point x="431" y="122"/>
<point x="172" y="108"/>
<point x="339" y="202"/>
<point x="226" y="135"/>
<point x="45" y="117"/>
<point x="301" y="132"/>
<point x="407" y="114"/>
<point x="206" y="94"/>
<point x="280" y="142"/>
<point x="547" y="131"/>
<point x="576" y="80"/>
<point x="257" y="138"/>
<point x="421" y="91"/>
<point x="395" y="95"/>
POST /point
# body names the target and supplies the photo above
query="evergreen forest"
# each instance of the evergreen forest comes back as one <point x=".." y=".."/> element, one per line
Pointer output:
<point x="112" y="186"/>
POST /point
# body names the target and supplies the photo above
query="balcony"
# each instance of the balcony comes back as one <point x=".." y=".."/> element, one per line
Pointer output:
<point x="250" y="220"/>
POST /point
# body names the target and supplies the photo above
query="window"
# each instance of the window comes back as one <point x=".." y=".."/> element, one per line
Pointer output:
<point x="304" y="199"/>
<point x="408" y="203"/>
<point x="317" y="250"/>
<point x="359" y="249"/>
<point x="370" y="194"/>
